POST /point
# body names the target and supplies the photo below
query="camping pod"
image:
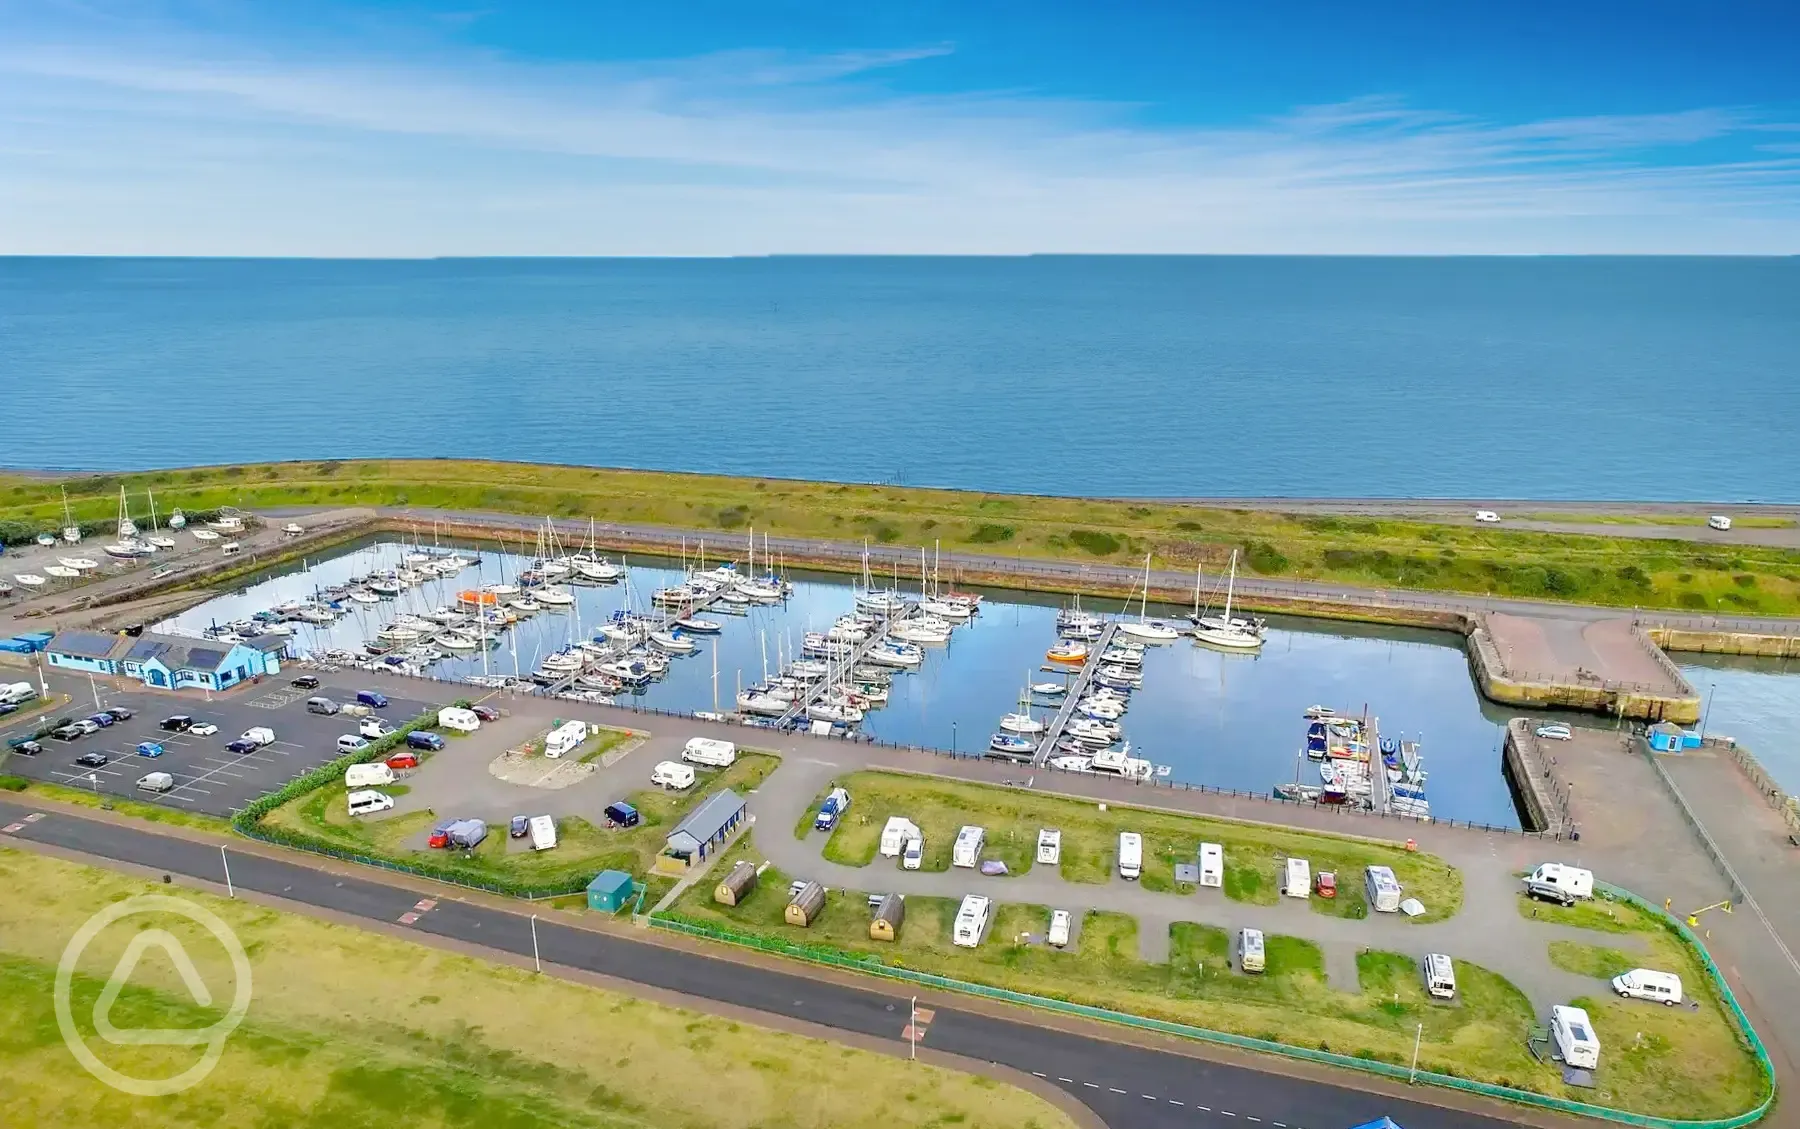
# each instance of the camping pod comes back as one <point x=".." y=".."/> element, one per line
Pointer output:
<point x="807" y="905"/>
<point x="888" y="918"/>
<point x="736" y="886"/>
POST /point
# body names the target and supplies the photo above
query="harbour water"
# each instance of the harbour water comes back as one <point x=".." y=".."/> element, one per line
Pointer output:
<point x="1226" y="720"/>
<point x="1756" y="701"/>
<point x="1450" y="377"/>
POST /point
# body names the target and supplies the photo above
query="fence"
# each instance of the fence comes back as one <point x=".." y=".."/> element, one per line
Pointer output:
<point x="1761" y="781"/>
<point x="875" y="967"/>
<point x="1738" y="892"/>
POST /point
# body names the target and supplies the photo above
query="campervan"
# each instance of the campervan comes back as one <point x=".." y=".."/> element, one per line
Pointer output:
<point x="363" y="803"/>
<point x="894" y="837"/>
<point x="1049" y="847"/>
<point x="543" y="832"/>
<point x="706" y="751"/>
<point x="1296" y="879"/>
<point x="1060" y="921"/>
<point x="17" y="693"/>
<point x="670" y="774"/>
<point x="1440" y="976"/>
<point x="1212" y="864"/>
<point x="837" y="802"/>
<point x="565" y="738"/>
<point x="1131" y="855"/>
<point x="971" y="921"/>
<point x="1571" y="880"/>
<point x="1574" y="1037"/>
<point x="1250" y="950"/>
<point x="368" y="775"/>
<point x="459" y="719"/>
<point x="967" y="849"/>
<point x="1648" y="984"/>
<point x="1382" y="888"/>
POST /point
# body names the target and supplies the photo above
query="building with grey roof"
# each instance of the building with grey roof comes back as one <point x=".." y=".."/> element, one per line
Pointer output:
<point x="169" y="662"/>
<point x="706" y="826"/>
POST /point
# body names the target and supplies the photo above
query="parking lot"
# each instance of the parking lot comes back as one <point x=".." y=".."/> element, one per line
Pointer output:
<point x="208" y="778"/>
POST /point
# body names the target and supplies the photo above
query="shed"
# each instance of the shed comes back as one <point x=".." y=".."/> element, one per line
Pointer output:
<point x="886" y="926"/>
<point x="736" y="886"/>
<point x="1667" y="737"/>
<point x="807" y="905"/>
<point x="706" y="826"/>
<point x="609" y="891"/>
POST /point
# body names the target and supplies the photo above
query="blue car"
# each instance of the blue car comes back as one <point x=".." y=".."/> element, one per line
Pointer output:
<point x="149" y="749"/>
<point x="103" y="720"/>
<point x="372" y="698"/>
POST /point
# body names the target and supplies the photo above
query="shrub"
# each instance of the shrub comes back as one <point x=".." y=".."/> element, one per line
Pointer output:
<point x="1095" y="542"/>
<point x="1691" y="600"/>
<point x="1744" y="580"/>
<point x="1264" y="558"/>
<point x="13" y="783"/>
<point x="990" y="534"/>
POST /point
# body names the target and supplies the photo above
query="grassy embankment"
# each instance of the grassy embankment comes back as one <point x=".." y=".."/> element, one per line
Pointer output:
<point x="1254" y="852"/>
<point x="582" y="849"/>
<point x="136" y="809"/>
<point x="1687" y="1059"/>
<point x="349" y="1028"/>
<point x="1565" y="518"/>
<point x="1585" y="568"/>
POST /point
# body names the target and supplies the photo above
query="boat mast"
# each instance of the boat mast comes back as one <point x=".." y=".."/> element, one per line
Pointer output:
<point x="1144" y="607"/>
<point x="1229" y="585"/>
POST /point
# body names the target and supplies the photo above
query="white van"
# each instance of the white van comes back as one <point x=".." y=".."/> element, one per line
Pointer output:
<point x="1049" y="847"/>
<point x="368" y="775"/>
<point x="362" y="803"/>
<point x="162" y="782"/>
<point x="967" y="849"/>
<point x="1382" y="888"/>
<point x="1719" y="522"/>
<point x="1649" y="984"/>
<point x="1440" y="976"/>
<point x="1250" y="950"/>
<point x="912" y="856"/>
<point x="459" y="719"/>
<point x="1212" y="864"/>
<point x="1296" y="879"/>
<point x="17" y="693"/>
<point x="350" y="743"/>
<point x="894" y="837"/>
<point x="672" y="774"/>
<point x="971" y="921"/>
<point x="565" y="738"/>
<point x="1572" y="880"/>
<point x="1131" y="855"/>
<point x="1060" y="922"/>
<point x="1574" y="1037"/>
<point x="713" y="754"/>
<point x="543" y="832"/>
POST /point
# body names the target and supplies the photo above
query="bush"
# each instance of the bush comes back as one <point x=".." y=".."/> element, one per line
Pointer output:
<point x="1691" y="600"/>
<point x="1095" y="542"/>
<point x="990" y="534"/>
<point x="13" y="783"/>
<point x="1264" y="558"/>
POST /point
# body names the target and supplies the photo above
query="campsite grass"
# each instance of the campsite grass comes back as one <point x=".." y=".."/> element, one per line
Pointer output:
<point x="604" y="739"/>
<point x="1591" y="960"/>
<point x="1360" y="550"/>
<point x="1254" y="852"/>
<point x="349" y="1028"/>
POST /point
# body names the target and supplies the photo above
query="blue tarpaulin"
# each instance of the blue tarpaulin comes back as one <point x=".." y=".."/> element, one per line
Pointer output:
<point x="1378" y="1123"/>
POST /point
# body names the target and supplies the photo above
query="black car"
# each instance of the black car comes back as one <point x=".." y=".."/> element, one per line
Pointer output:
<point x="241" y="746"/>
<point x="305" y="682"/>
<point x="519" y="826"/>
<point x="68" y="732"/>
<point x="120" y="713"/>
<point x="180" y="723"/>
<point x="28" y="748"/>
<point x="92" y="760"/>
<point x="485" y="713"/>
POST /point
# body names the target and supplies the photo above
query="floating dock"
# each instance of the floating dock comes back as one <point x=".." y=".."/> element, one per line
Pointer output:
<point x="1077" y="690"/>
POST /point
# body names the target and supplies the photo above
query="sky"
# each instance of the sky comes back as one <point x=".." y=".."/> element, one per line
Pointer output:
<point x="216" y="127"/>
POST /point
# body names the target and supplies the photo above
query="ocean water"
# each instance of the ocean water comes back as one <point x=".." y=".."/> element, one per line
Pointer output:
<point x="1106" y="376"/>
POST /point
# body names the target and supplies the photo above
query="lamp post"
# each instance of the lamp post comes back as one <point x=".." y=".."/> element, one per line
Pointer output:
<point x="953" y="738"/>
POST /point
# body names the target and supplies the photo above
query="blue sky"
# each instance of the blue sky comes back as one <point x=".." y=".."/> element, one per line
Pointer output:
<point x="217" y="127"/>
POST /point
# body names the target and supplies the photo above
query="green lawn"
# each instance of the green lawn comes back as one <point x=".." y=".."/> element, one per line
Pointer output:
<point x="1387" y="553"/>
<point x="604" y="740"/>
<point x="1563" y="518"/>
<point x="1592" y="960"/>
<point x="136" y="809"/>
<point x="1254" y="853"/>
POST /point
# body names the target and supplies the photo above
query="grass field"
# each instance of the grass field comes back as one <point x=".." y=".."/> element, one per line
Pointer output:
<point x="348" y="1028"/>
<point x="1254" y="852"/>
<point x="582" y="850"/>
<point x="1379" y="552"/>
<point x="136" y="809"/>
<point x="1565" y="518"/>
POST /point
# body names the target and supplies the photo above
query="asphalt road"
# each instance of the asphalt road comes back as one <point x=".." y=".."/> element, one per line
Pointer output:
<point x="1126" y="1085"/>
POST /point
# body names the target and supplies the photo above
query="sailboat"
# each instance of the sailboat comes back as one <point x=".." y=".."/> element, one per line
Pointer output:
<point x="127" y="546"/>
<point x="1022" y="721"/>
<point x="71" y="531"/>
<point x="1148" y="630"/>
<point x="1225" y="632"/>
<point x="1220" y="621"/>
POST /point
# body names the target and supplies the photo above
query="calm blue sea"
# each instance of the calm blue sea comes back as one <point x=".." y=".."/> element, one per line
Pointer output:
<point x="1644" y="378"/>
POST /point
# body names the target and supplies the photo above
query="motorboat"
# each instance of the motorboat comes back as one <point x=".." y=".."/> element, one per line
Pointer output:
<point x="160" y="542"/>
<point x="733" y="598"/>
<point x="1070" y="651"/>
<point x="499" y="591"/>
<point x="553" y="597"/>
<point x="888" y="653"/>
<point x="388" y="586"/>
<point x="79" y="564"/>
<point x="457" y="641"/>
<point x="394" y="633"/>
<point x="204" y="535"/>
<point x="673" y="642"/>
<point x="1150" y="631"/>
<point x="835" y="712"/>
<point x="1100" y="709"/>
<point x="1086" y="632"/>
<point x="762" y="705"/>
<point x="1313" y="713"/>
<point x="567" y="660"/>
<point x="177" y="520"/>
<point x="596" y="568"/>
<point x="524" y="605"/>
<point x="918" y="633"/>
<point x="46" y="539"/>
<point x="629" y="673"/>
<point x="1021" y="723"/>
<point x="292" y="529"/>
<point x="1092" y="731"/>
<point x="700" y="626"/>
<point x="875" y="693"/>
<point x="1049" y="689"/>
<point x="1302" y="793"/>
<point x="60" y="572"/>
<point x="1011" y="743"/>
<point x="814" y="643"/>
<point x="1122" y="656"/>
<point x="676" y="597"/>
<point x="364" y="596"/>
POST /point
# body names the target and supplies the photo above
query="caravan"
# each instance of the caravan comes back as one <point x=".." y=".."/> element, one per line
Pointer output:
<point x="967" y="850"/>
<point x="971" y="921"/>
<point x="459" y="719"/>
<point x="1131" y="855"/>
<point x="1049" y="846"/>
<point x="1382" y="888"/>
<point x="1574" y="1037"/>
<point x="1440" y="976"/>
<point x="1212" y="865"/>
<point x="898" y="832"/>
<point x="368" y="775"/>
<point x="542" y="829"/>
<point x="1571" y="880"/>
<point x="711" y="753"/>
<point x="1296" y="878"/>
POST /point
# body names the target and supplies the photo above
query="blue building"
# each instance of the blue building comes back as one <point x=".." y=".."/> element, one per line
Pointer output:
<point x="168" y="662"/>
<point x="1667" y="737"/>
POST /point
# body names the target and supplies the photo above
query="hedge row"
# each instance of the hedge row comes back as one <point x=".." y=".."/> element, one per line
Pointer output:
<point x="331" y="771"/>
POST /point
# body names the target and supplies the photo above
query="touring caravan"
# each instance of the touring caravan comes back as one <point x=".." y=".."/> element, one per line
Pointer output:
<point x="672" y="775"/>
<point x="565" y="738"/>
<point x="711" y="753"/>
<point x="896" y="834"/>
<point x="971" y="920"/>
<point x="368" y="775"/>
<point x="1250" y="950"/>
<point x="967" y="850"/>
<point x="1212" y="865"/>
<point x="1060" y="922"/>
<point x="1049" y="846"/>
<point x="543" y="832"/>
<point x="1572" y="880"/>
<point x="364" y="803"/>
<point x="1574" y="1037"/>
<point x="459" y="719"/>
<point x="1440" y="976"/>
<point x="1296" y="879"/>
<point x="1382" y="888"/>
<point x="1131" y="855"/>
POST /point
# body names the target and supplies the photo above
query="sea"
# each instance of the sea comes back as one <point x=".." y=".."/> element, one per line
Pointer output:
<point x="1542" y="378"/>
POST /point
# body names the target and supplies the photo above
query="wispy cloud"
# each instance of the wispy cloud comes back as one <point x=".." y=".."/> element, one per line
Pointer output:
<point x="178" y="145"/>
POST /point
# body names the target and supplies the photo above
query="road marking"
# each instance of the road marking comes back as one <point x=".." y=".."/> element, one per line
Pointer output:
<point x="1228" y="1113"/>
<point x="1115" y="1089"/>
<point x="924" y="1014"/>
<point x="1091" y="1085"/>
<point x="408" y="918"/>
<point x="15" y="828"/>
<point x="1204" y="1109"/>
<point x="1248" y="1117"/>
<point x="1039" y="1074"/>
<point x="1147" y="1097"/>
<point x="1070" y="1081"/>
<point x="1172" y="1101"/>
<point x="34" y="817"/>
<point x="426" y="905"/>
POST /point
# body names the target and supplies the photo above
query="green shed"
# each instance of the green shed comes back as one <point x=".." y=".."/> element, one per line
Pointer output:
<point x="609" y="891"/>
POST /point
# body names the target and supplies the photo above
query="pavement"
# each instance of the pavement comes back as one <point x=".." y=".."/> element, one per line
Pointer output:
<point x="1129" y="1086"/>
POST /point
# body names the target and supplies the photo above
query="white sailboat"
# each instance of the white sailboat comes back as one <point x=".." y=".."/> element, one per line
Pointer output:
<point x="1148" y="630"/>
<point x="71" y="532"/>
<point x="1228" y="634"/>
<point x="1021" y="721"/>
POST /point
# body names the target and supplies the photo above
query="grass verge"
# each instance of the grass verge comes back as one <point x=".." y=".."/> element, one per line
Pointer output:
<point x="349" y="1028"/>
<point x="136" y="809"/>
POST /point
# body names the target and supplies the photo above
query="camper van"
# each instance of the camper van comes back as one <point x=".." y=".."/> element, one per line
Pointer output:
<point x="894" y="837"/>
<point x="1212" y="865"/>
<point x="1131" y="855"/>
<point x="912" y="855"/>
<point x="713" y="754"/>
<point x="1060" y="922"/>
<point x="1574" y="1037"/>
<point x="543" y="832"/>
<point x="363" y="803"/>
<point x="1382" y="888"/>
<point x="1440" y="976"/>
<point x="367" y="775"/>
<point x="1296" y="879"/>
<point x="1049" y="851"/>
<point x="1648" y="984"/>
<point x="18" y="693"/>
<point x="1571" y="880"/>
<point x="673" y="775"/>
<point x="971" y="921"/>
<point x="836" y="803"/>
<point x="967" y="850"/>
<point x="1250" y="950"/>
<point x="565" y="738"/>
<point x="459" y="719"/>
<point x="1719" y="522"/>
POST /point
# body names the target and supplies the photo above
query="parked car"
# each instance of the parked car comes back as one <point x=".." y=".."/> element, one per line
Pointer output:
<point x="149" y="749"/>
<point x="28" y="748"/>
<point x="519" y="826"/>
<point x="321" y="705"/>
<point x="374" y="699"/>
<point x="485" y="713"/>
<point x="68" y="732"/>
<point x="420" y="739"/>
<point x="100" y="720"/>
<point x="87" y="725"/>
<point x="180" y="723"/>
<point x="374" y="729"/>
<point x="258" y="735"/>
<point x="305" y="682"/>
<point x="1325" y="884"/>
<point x="1550" y="892"/>
<point x="241" y="746"/>
<point x="403" y="759"/>
<point x="203" y="729"/>
<point x="120" y="713"/>
<point x="1556" y="732"/>
<point x="92" y="760"/>
<point x="7" y="707"/>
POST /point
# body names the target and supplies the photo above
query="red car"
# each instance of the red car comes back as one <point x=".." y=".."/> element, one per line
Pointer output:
<point x="1325" y="885"/>
<point x="485" y="713"/>
<point x="438" y="839"/>
<point x="403" y="760"/>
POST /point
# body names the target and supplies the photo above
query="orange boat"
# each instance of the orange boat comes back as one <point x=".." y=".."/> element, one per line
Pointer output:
<point x="1069" y="651"/>
<point x="475" y="598"/>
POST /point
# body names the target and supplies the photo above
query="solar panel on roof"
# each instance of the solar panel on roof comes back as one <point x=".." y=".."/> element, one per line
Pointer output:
<point x="87" y="643"/>
<point x="147" y="649"/>
<point x="205" y="656"/>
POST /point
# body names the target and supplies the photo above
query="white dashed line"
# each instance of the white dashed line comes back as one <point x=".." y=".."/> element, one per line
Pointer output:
<point x="1247" y="1117"/>
<point x="1115" y="1089"/>
<point x="1228" y="1113"/>
<point x="1203" y="1108"/>
<point x="1148" y="1097"/>
<point x="1039" y="1074"/>
<point x="1091" y="1085"/>
<point x="1172" y="1101"/>
<point x="1070" y="1081"/>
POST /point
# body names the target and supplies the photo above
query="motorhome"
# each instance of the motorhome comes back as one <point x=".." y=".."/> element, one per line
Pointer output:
<point x="1212" y="865"/>
<point x="1049" y="846"/>
<point x="363" y="803"/>
<point x="1440" y="976"/>
<point x="565" y="738"/>
<point x="1250" y="950"/>
<point x="1131" y="855"/>
<point x="1060" y="922"/>
<point x="971" y="921"/>
<point x="967" y="850"/>
<point x="898" y="832"/>
<point x="1296" y="878"/>
<point x="1571" y="880"/>
<point x="836" y="803"/>
<point x="1382" y="888"/>
<point x="368" y="775"/>
<point x="1648" y="984"/>
<point x="706" y="751"/>
<point x="673" y="775"/>
<point x="1574" y="1037"/>
<point x="1719" y="522"/>
<point x="459" y="719"/>
<point x="543" y="832"/>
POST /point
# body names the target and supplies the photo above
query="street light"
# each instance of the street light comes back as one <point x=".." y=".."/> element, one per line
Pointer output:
<point x="953" y="738"/>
